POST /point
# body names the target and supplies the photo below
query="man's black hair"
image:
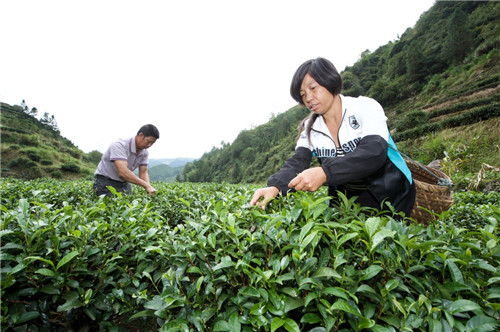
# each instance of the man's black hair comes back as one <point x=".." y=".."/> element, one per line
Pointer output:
<point x="149" y="130"/>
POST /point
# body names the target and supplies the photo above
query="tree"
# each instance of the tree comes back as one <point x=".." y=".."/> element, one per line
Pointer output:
<point x="458" y="40"/>
<point x="416" y="63"/>
<point x="33" y="112"/>
<point x="24" y="106"/>
<point x="53" y="123"/>
<point x="49" y="121"/>
<point x="352" y="85"/>
<point x="93" y="156"/>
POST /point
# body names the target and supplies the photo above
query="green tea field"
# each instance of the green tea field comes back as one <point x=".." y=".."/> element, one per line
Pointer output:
<point x="198" y="257"/>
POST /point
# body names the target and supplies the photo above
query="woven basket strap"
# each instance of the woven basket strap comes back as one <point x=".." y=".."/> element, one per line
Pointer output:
<point x="441" y="181"/>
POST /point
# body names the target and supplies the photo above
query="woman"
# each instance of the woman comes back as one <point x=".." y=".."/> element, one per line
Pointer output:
<point x="350" y="138"/>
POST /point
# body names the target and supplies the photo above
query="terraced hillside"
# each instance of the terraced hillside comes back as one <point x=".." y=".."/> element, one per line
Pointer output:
<point x="462" y="132"/>
<point x="33" y="149"/>
<point x="452" y="111"/>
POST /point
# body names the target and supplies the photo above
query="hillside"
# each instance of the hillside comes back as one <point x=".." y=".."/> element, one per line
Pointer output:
<point x="32" y="148"/>
<point x="439" y="85"/>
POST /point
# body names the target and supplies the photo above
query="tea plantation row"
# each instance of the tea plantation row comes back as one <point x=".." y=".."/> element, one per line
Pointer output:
<point x="197" y="257"/>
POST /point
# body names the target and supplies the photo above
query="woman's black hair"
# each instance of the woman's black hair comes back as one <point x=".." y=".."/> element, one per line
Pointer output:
<point x="323" y="72"/>
<point x="149" y="130"/>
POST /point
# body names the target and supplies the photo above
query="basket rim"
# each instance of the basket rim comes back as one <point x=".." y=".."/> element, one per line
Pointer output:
<point x="426" y="174"/>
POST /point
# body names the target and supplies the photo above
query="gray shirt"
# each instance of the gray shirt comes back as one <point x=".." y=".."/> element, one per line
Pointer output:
<point x="122" y="149"/>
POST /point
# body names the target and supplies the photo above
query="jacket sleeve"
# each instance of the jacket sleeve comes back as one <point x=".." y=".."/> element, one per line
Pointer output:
<point x="366" y="159"/>
<point x="300" y="161"/>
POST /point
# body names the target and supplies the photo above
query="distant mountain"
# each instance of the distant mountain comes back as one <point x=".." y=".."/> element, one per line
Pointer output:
<point x="166" y="170"/>
<point x="163" y="172"/>
<point x="173" y="162"/>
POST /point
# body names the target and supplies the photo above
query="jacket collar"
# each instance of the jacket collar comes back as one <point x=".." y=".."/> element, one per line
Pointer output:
<point x="320" y="124"/>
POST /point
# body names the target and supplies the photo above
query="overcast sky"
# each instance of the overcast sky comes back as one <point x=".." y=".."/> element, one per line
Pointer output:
<point x="200" y="70"/>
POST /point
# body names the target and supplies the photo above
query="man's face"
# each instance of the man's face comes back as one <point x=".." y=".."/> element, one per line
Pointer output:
<point x="144" y="142"/>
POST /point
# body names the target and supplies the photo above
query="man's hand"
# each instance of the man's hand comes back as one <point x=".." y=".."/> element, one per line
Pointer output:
<point x="309" y="180"/>
<point x="268" y="194"/>
<point x="152" y="191"/>
<point x="129" y="176"/>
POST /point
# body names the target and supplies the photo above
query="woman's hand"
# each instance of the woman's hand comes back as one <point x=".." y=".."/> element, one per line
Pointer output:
<point x="268" y="194"/>
<point x="309" y="180"/>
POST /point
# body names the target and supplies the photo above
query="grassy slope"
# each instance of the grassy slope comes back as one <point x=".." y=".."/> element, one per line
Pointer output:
<point x="31" y="150"/>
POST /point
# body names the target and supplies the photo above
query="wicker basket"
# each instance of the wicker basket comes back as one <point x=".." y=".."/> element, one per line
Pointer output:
<point x="430" y="194"/>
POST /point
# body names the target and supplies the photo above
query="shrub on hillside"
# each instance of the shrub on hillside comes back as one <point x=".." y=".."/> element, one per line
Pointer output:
<point x="30" y="140"/>
<point x="70" y="167"/>
<point x="411" y="120"/>
<point x="56" y="174"/>
<point x="75" y="153"/>
<point x="22" y="162"/>
<point x="8" y="137"/>
<point x="33" y="154"/>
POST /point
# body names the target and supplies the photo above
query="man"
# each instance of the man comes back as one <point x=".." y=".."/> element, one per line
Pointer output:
<point x="121" y="159"/>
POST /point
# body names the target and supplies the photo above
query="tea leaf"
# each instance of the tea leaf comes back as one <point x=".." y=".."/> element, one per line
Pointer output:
<point x="455" y="272"/>
<point x="291" y="326"/>
<point x="463" y="306"/>
<point x="143" y="313"/>
<point x="249" y="291"/>
<point x="305" y="230"/>
<point x="344" y="306"/>
<point x="66" y="259"/>
<point x="310" y="318"/>
<point x="371" y="272"/>
<point x="371" y="225"/>
<point x="222" y="325"/>
<point x="276" y="323"/>
<point x="27" y="316"/>
<point x="73" y="301"/>
<point x="38" y="258"/>
<point x="327" y="272"/>
<point x="346" y="237"/>
<point x="482" y="323"/>
<point x="46" y="272"/>
<point x="379" y="237"/>
<point x="308" y="239"/>
<point x="225" y="262"/>
<point x="157" y="303"/>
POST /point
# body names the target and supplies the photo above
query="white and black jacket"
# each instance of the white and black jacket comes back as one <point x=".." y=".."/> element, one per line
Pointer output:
<point x="366" y="165"/>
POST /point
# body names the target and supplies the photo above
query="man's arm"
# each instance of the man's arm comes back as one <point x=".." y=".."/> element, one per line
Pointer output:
<point x="143" y="173"/>
<point x="129" y="176"/>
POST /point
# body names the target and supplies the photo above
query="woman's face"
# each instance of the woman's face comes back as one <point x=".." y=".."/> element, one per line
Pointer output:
<point x="315" y="97"/>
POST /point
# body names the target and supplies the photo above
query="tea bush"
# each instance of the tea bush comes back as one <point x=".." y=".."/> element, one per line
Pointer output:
<point x="70" y="167"/>
<point x="197" y="257"/>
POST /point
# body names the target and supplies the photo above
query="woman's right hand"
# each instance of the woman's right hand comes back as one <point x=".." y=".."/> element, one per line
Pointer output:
<point x="268" y="194"/>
